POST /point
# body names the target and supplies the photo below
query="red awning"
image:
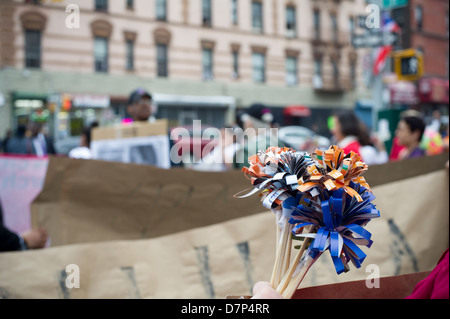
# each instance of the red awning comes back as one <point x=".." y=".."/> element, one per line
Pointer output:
<point x="297" y="111"/>
<point x="433" y="90"/>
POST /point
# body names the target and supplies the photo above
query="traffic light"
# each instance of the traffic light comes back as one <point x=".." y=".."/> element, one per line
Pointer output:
<point x="408" y="64"/>
<point x="66" y="102"/>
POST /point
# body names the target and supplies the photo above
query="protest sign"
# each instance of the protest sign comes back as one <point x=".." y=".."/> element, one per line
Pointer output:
<point x="21" y="180"/>
<point x="227" y="258"/>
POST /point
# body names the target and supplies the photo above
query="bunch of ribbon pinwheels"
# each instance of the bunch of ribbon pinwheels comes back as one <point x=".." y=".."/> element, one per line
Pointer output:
<point x="319" y="199"/>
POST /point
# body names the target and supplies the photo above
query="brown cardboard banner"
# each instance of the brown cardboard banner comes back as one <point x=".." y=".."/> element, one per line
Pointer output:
<point x="227" y="258"/>
<point x="90" y="201"/>
<point x="130" y="130"/>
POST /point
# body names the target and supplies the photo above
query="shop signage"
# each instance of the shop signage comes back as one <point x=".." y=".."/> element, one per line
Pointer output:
<point x="403" y="92"/>
<point x="374" y="39"/>
<point x="434" y="90"/>
<point x="90" y="101"/>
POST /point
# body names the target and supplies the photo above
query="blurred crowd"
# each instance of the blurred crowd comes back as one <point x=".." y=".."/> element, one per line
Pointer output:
<point x="414" y="137"/>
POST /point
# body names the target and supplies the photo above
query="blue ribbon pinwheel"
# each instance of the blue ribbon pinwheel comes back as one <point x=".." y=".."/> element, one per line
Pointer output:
<point x="338" y="224"/>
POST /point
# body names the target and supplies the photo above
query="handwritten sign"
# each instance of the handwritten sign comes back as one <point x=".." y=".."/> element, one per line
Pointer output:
<point x="21" y="180"/>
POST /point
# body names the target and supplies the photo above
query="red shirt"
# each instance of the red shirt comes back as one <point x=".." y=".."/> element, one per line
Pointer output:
<point x="435" y="285"/>
<point x="350" y="143"/>
<point x="354" y="146"/>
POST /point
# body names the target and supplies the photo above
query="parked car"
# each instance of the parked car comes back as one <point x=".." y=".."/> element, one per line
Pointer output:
<point x="301" y="138"/>
<point x="193" y="143"/>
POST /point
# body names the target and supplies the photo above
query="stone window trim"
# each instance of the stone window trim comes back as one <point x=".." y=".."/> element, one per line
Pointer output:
<point x="235" y="47"/>
<point x="292" y="53"/>
<point x="207" y="44"/>
<point x="318" y="53"/>
<point x="129" y="35"/>
<point x="352" y="56"/>
<point x="33" y="20"/>
<point x="101" y="28"/>
<point x="162" y="36"/>
<point x="335" y="55"/>
<point x="259" y="49"/>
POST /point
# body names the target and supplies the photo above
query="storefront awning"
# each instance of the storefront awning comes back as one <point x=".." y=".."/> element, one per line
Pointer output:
<point x="297" y="111"/>
<point x="90" y="101"/>
<point x="21" y="95"/>
<point x="433" y="90"/>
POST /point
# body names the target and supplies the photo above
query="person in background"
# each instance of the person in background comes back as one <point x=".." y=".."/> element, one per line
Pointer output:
<point x="84" y="150"/>
<point x="220" y="159"/>
<point x="140" y="106"/>
<point x="372" y="149"/>
<point x="395" y="150"/>
<point x="8" y="136"/>
<point x="445" y="140"/>
<point x="346" y="130"/>
<point x="42" y="143"/>
<point x="19" y="144"/>
<point x="436" y="123"/>
<point x="259" y="130"/>
<point x="409" y="132"/>
<point x="30" y="239"/>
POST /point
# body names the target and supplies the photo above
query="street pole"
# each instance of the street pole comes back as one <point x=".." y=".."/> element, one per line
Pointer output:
<point x="377" y="100"/>
<point x="377" y="83"/>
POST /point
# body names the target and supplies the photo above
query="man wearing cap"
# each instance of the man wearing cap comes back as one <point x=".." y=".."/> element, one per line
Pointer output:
<point x="140" y="106"/>
<point x="141" y="109"/>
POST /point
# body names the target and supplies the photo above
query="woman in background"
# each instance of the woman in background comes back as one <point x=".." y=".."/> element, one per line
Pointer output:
<point x="84" y="150"/>
<point x="346" y="131"/>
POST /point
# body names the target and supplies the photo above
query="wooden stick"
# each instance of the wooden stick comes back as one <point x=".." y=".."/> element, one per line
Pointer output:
<point x="287" y="251"/>
<point x="298" y="278"/>
<point x="288" y="275"/>
<point x="279" y="265"/>
<point x="278" y="234"/>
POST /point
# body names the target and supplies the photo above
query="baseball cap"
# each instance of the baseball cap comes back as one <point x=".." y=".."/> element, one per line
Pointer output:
<point x="137" y="95"/>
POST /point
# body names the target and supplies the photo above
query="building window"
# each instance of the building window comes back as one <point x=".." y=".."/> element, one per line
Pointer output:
<point x="317" y="80"/>
<point x="235" y="74"/>
<point x="335" y="73"/>
<point x="334" y="27"/>
<point x="101" y="54"/>
<point x="32" y="49"/>
<point x="351" y="27"/>
<point x="291" y="22"/>
<point x="418" y="13"/>
<point x="161" y="10"/>
<point x="353" y="74"/>
<point x="234" y="12"/>
<point x="207" y="13"/>
<point x="257" y="16"/>
<point x="130" y="54"/>
<point x="291" y="71"/>
<point x="208" y="74"/>
<point x="316" y="24"/>
<point x="259" y="67"/>
<point x="130" y="4"/>
<point x="162" y="61"/>
<point x="101" y="5"/>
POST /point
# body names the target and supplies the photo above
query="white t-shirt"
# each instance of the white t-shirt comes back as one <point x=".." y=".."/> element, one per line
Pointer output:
<point x="217" y="160"/>
<point x="81" y="152"/>
<point x="372" y="156"/>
